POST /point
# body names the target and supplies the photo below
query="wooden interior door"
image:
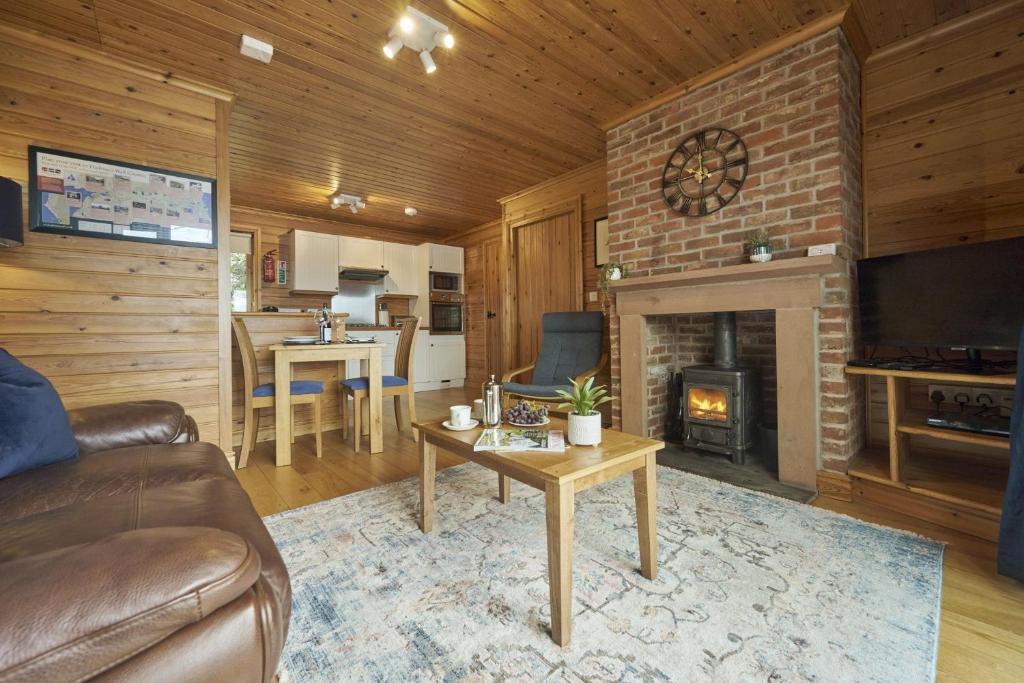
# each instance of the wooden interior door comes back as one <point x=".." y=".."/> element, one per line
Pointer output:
<point x="547" y="277"/>
<point x="492" y="280"/>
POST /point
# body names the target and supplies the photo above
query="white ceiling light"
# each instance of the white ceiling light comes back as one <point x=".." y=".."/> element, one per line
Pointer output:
<point x="392" y="47"/>
<point x="445" y="40"/>
<point x="353" y="202"/>
<point x="257" y="49"/>
<point x="428" y="62"/>
<point x="410" y="211"/>
<point x="421" y="34"/>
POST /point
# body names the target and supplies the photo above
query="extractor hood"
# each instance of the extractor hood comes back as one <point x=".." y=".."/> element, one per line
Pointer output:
<point x="361" y="274"/>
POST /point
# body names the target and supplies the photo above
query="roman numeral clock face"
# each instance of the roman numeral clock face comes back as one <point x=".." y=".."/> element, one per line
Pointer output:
<point x="705" y="172"/>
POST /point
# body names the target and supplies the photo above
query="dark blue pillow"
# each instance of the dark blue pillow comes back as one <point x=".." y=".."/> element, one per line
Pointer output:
<point x="34" y="429"/>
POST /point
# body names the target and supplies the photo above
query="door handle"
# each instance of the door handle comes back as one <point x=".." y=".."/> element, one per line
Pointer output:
<point x="491" y="314"/>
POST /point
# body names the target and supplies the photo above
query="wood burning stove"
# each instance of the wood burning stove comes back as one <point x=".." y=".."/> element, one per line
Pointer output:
<point x="720" y="404"/>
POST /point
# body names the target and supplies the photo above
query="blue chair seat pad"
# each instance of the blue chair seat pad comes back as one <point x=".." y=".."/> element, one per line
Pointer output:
<point x="539" y="390"/>
<point x="363" y="383"/>
<point x="299" y="387"/>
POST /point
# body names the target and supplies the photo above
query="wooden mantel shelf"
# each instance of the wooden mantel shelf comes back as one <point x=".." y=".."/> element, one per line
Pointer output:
<point x="746" y="272"/>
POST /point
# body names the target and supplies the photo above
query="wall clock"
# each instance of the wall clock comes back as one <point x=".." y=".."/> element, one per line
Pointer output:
<point x="705" y="172"/>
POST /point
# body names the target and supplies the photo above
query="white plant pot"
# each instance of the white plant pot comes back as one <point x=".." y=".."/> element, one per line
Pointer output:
<point x="585" y="430"/>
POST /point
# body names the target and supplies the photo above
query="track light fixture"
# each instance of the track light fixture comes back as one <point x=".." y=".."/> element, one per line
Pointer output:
<point x="353" y="202"/>
<point x="421" y="34"/>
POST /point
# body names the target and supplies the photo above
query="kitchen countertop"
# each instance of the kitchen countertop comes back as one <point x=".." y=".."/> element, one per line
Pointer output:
<point x="266" y="314"/>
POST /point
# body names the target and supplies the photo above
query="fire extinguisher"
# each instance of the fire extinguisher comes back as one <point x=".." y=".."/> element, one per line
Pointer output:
<point x="269" y="267"/>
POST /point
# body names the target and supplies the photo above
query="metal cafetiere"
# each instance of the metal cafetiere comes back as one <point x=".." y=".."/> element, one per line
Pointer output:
<point x="492" y="403"/>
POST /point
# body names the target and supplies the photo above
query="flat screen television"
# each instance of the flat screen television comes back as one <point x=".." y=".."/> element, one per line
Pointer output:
<point x="969" y="296"/>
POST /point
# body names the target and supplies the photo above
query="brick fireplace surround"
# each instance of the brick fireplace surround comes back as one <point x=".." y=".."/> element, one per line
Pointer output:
<point x="799" y="115"/>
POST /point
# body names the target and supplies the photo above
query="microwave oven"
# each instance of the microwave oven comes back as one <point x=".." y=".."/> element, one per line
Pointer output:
<point x="445" y="282"/>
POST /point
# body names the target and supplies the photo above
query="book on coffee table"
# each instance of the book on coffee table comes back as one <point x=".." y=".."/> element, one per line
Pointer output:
<point x="518" y="440"/>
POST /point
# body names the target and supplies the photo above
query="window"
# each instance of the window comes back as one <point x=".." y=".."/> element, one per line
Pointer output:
<point x="243" y="280"/>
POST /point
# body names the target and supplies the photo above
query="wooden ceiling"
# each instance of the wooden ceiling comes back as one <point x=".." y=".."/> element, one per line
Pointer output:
<point x="520" y="99"/>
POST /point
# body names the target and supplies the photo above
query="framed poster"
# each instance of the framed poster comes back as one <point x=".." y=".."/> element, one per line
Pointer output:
<point x="74" y="194"/>
<point x="600" y="242"/>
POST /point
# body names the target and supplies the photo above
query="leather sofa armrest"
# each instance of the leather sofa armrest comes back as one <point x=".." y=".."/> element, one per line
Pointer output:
<point x="72" y="613"/>
<point x="136" y="423"/>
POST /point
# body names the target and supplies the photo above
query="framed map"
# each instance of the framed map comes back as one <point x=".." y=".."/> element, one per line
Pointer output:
<point x="74" y="194"/>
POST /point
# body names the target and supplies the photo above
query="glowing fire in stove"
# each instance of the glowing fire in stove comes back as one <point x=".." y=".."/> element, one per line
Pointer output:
<point x="707" y="404"/>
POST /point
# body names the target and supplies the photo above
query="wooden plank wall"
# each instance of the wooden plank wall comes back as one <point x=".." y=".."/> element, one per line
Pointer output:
<point x="943" y="152"/>
<point x="272" y="227"/>
<point x="589" y="182"/>
<point x="106" y="320"/>
<point x="476" y="305"/>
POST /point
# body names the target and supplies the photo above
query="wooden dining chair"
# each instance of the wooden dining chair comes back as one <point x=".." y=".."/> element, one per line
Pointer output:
<point x="397" y="385"/>
<point x="303" y="392"/>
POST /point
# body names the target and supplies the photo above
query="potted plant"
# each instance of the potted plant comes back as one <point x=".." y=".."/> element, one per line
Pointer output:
<point x="759" y="246"/>
<point x="610" y="272"/>
<point x="584" y="420"/>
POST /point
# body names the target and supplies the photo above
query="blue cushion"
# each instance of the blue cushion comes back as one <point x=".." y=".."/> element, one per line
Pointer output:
<point x="363" y="383"/>
<point x="299" y="387"/>
<point x="571" y="345"/>
<point x="34" y="429"/>
<point x="539" y="390"/>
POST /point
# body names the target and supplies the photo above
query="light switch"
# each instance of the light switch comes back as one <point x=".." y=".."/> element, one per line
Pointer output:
<point x="591" y="296"/>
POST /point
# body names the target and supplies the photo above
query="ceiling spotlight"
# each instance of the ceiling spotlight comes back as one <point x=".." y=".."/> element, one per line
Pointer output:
<point x="421" y="34"/>
<point x="445" y="40"/>
<point x="392" y="47"/>
<point x="353" y="202"/>
<point x="410" y="211"/>
<point x="428" y="62"/>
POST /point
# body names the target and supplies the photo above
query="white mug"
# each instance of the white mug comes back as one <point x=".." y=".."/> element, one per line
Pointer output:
<point x="459" y="416"/>
<point x="478" y="409"/>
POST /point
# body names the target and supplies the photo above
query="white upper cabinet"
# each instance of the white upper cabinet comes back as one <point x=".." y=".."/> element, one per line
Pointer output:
<point x="356" y="252"/>
<point x="314" y="266"/>
<point x="403" y="274"/>
<point x="445" y="258"/>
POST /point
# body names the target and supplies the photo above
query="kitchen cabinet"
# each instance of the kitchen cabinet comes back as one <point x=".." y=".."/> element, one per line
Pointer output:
<point x="445" y="258"/>
<point x="400" y="260"/>
<point x="440" y="361"/>
<point x="314" y="261"/>
<point x="356" y="252"/>
<point x="389" y="339"/>
<point x="447" y="358"/>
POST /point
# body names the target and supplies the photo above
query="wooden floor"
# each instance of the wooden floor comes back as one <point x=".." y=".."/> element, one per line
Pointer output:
<point x="981" y="636"/>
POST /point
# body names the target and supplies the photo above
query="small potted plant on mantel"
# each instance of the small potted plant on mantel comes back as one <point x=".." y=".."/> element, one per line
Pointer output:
<point x="584" y="420"/>
<point x="759" y="246"/>
<point x="610" y="272"/>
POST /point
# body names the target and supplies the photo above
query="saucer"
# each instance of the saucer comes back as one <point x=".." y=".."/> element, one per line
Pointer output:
<point x="472" y="425"/>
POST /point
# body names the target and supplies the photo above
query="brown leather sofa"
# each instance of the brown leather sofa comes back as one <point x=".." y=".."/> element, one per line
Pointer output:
<point x="142" y="560"/>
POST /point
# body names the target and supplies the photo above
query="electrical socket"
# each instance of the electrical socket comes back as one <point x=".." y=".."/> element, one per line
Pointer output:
<point x="977" y="397"/>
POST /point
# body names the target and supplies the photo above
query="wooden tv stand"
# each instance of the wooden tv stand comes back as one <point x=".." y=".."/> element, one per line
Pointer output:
<point x="957" y="489"/>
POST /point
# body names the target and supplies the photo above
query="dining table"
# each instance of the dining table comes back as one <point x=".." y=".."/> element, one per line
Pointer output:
<point x="286" y="356"/>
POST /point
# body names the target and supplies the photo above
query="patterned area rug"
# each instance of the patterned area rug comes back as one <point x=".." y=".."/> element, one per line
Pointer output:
<point x="750" y="587"/>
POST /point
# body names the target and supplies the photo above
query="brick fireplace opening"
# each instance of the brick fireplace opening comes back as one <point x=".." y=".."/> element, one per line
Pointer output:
<point x="795" y="290"/>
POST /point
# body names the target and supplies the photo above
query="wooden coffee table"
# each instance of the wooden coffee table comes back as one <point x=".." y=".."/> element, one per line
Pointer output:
<point x="560" y="476"/>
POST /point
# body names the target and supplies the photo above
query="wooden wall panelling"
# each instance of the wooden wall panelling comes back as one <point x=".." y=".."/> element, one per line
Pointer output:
<point x="110" y="320"/>
<point x="943" y="151"/>
<point x="589" y="184"/>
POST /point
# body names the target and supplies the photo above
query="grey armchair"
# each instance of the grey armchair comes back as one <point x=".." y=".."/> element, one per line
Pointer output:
<point x="571" y="348"/>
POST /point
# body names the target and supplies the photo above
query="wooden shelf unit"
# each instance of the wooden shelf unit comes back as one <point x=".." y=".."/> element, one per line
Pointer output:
<point x="959" y="492"/>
